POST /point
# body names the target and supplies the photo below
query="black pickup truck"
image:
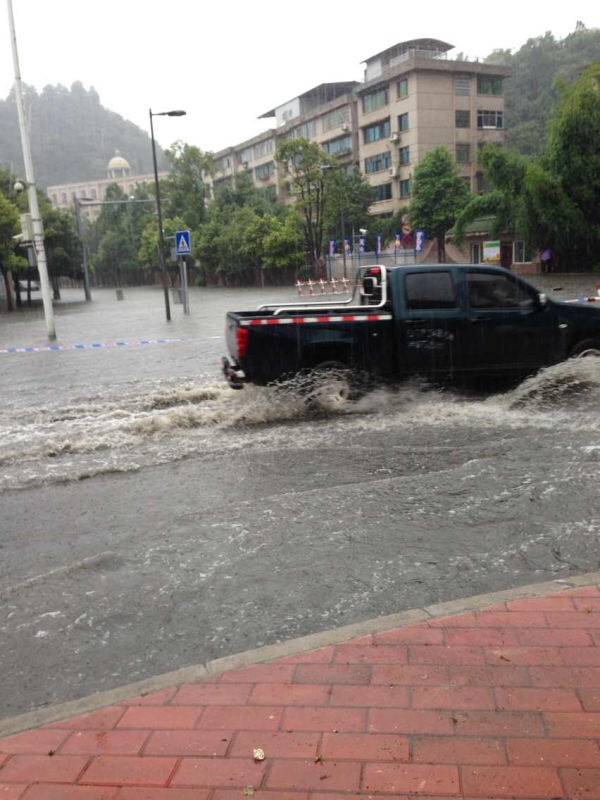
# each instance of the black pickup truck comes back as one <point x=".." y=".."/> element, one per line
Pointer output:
<point x="438" y="321"/>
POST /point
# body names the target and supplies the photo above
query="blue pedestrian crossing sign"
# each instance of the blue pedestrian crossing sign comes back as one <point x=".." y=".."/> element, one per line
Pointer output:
<point x="183" y="243"/>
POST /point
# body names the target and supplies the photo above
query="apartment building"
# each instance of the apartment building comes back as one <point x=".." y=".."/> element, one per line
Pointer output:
<point x="414" y="98"/>
<point x="325" y="114"/>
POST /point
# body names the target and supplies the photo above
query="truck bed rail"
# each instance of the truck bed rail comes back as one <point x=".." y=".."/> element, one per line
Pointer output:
<point x="344" y="305"/>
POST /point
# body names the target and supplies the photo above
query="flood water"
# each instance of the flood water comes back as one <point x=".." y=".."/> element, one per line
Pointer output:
<point x="82" y="412"/>
<point x="222" y="520"/>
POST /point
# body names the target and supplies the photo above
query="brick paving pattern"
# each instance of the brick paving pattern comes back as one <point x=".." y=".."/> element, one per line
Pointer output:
<point x="499" y="704"/>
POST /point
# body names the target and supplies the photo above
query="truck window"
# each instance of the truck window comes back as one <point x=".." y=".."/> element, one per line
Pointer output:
<point x="429" y="290"/>
<point x="495" y="291"/>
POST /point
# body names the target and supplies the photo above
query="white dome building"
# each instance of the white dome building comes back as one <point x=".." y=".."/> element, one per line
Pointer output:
<point x="118" y="167"/>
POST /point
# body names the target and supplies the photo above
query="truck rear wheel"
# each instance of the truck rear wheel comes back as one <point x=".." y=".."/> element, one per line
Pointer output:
<point x="329" y="386"/>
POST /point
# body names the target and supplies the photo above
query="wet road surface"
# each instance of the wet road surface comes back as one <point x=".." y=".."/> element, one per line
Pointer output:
<point x="151" y="518"/>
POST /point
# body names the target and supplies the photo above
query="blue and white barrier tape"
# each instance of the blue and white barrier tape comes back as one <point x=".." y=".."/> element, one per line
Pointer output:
<point x="57" y="348"/>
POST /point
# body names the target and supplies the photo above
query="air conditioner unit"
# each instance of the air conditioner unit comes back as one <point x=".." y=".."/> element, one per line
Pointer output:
<point x="395" y="137"/>
<point x="392" y="171"/>
<point x="345" y="127"/>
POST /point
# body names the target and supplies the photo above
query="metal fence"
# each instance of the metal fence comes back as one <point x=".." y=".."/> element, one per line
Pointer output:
<point x="335" y="264"/>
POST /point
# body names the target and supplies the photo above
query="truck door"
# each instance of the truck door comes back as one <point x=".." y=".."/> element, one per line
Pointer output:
<point x="510" y="329"/>
<point x="431" y="322"/>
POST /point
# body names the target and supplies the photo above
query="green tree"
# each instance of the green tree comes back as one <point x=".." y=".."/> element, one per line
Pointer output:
<point x="553" y="201"/>
<point x="532" y="92"/>
<point x="439" y="194"/>
<point x="307" y="168"/>
<point x="148" y="252"/>
<point x="283" y="243"/>
<point x="116" y="238"/>
<point x="348" y="199"/>
<point x="184" y="192"/>
<point x="9" y="227"/>
<point x="573" y="156"/>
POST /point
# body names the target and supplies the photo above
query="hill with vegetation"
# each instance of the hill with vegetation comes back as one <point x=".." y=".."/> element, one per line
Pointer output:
<point x="73" y="135"/>
<point x="539" y="68"/>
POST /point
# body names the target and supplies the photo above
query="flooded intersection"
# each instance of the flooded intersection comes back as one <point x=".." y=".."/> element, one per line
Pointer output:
<point x="152" y="518"/>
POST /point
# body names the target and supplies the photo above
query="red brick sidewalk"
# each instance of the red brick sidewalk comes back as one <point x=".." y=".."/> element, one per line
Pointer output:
<point x="499" y="704"/>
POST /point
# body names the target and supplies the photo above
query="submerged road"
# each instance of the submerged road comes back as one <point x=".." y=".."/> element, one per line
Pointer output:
<point x="152" y="519"/>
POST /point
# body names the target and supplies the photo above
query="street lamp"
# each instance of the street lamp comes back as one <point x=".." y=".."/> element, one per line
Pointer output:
<point x="161" y="236"/>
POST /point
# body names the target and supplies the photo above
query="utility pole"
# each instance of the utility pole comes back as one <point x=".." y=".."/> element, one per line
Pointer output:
<point x="36" y="220"/>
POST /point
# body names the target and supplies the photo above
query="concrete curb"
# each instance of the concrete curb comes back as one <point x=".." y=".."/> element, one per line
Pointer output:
<point x="303" y="644"/>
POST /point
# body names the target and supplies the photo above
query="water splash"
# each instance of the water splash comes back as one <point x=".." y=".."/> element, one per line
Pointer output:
<point x="136" y="425"/>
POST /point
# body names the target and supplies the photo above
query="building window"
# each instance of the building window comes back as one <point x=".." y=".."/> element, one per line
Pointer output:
<point x="263" y="149"/>
<point x="404" y="155"/>
<point x="55" y="199"/>
<point x="490" y="120"/>
<point x="520" y="253"/>
<point x="467" y="182"/>
<point x="306" y="131"/>
<point x="403" y="122"/>
<point x="405" y="188"/>
<point x="489" y="84"/>
<point x="338" y="147"/>
<point x="335" y="119"/>
<point x="264" y="171"/>
<point x="475" y="252"/>
<point x="63" y="198"/>
<point x="375" y="100"/>
<point x="378" y="162"/>
<point x="245" y="156"/>
<point x="374" y="133"/>
<point x="462" y="87"/>
<point x="402" y="88"/>
<point x="462" y="119"/>
<point x="383" y="192"/>
<point x="463" y="153"/>
<point x="93" y="194"/>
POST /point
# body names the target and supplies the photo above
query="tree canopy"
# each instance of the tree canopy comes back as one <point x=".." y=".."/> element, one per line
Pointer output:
<point x="439" y="194"/>
<point x="552" y="201"/>
<point x="539" y="69"/>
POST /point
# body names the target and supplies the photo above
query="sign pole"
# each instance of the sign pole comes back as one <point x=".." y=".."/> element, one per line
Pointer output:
<point x="183" y="248"/>
<point x="186" y="296"/>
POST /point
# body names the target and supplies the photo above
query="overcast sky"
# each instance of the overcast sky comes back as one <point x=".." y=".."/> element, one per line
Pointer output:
<point x="227" y="61"/>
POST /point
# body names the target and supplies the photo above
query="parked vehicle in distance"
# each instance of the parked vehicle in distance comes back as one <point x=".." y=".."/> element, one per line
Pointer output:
<point x="442" y="321"/>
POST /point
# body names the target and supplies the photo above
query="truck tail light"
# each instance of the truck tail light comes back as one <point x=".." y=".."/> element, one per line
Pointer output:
<point x="374" y="272"/>
<point x="243" y="335"/>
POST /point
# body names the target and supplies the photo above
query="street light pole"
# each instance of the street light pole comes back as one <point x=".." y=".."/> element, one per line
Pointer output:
<point x="84" y="253"/>
<point x="161" y="236"/>
<point x="36" y="220"/>
<point x="161" y="233"/>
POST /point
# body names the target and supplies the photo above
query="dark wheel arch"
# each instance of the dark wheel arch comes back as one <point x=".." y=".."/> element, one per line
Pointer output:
<point x="586" y="347"/>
